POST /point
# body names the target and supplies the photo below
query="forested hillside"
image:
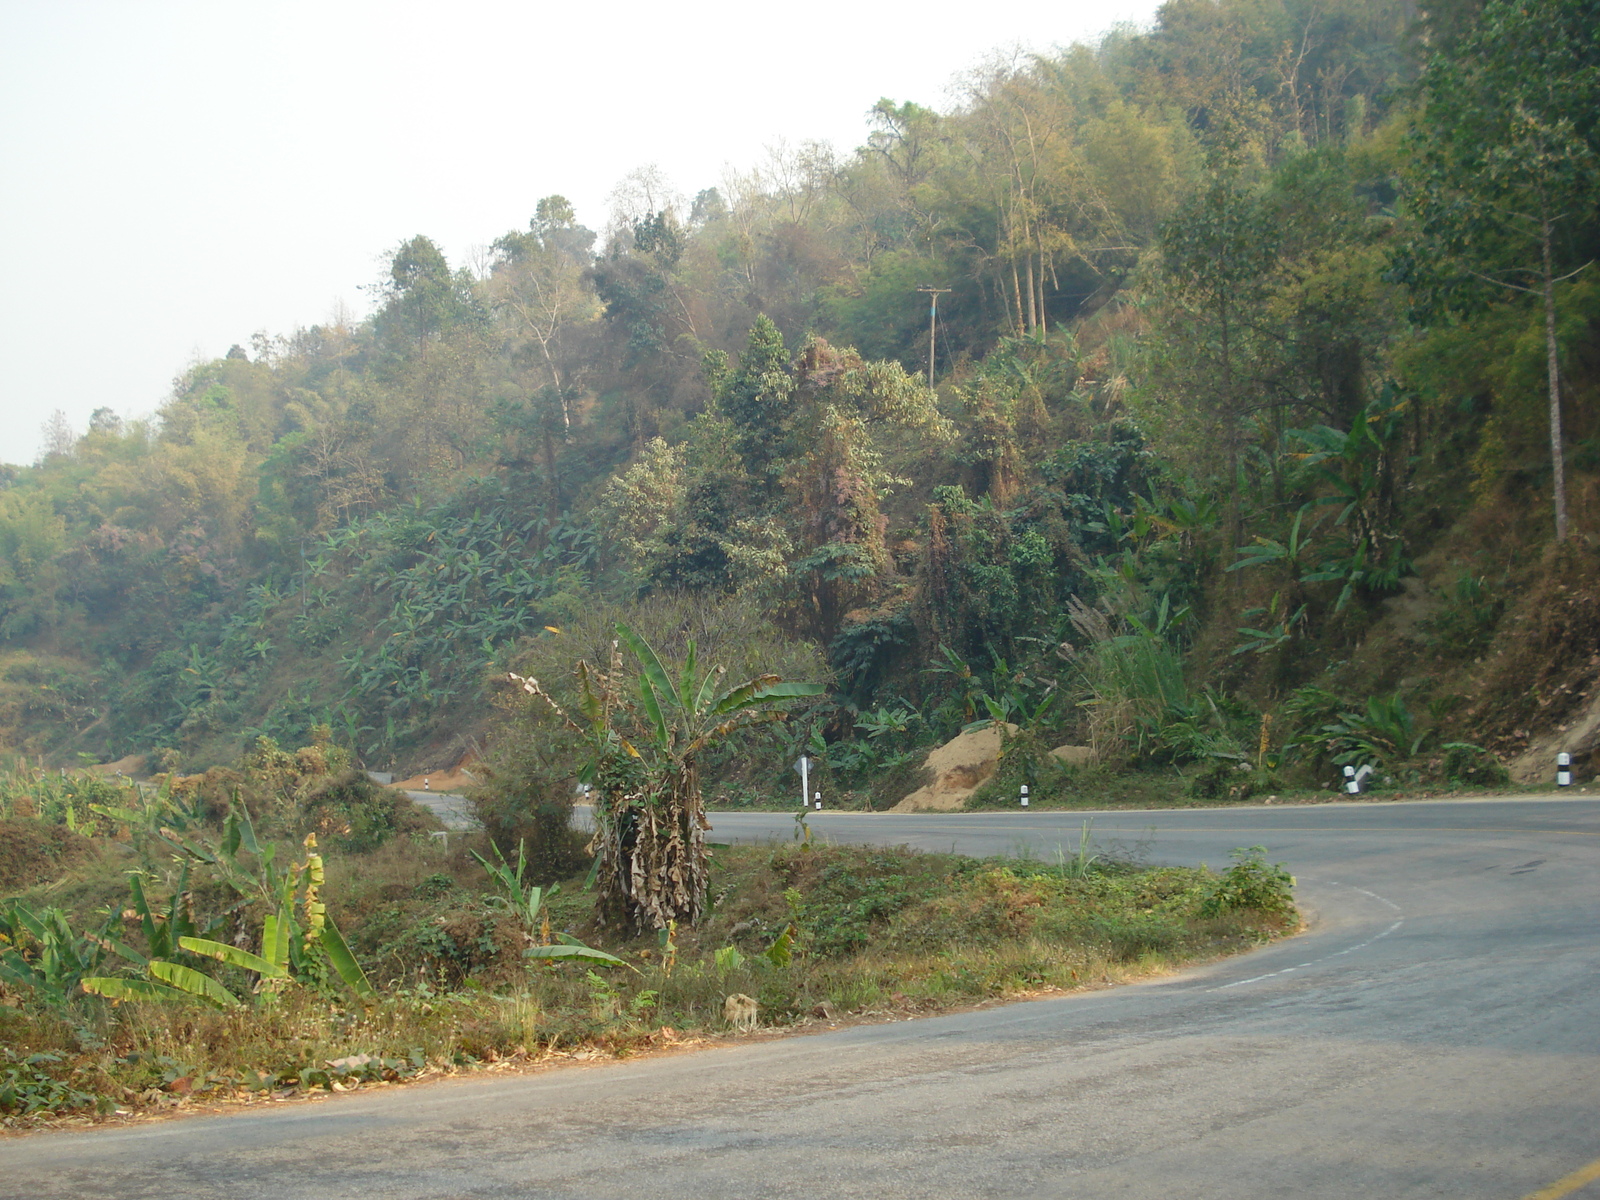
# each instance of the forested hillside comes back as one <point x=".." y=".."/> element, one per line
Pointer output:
<point x="1261" y="434"/>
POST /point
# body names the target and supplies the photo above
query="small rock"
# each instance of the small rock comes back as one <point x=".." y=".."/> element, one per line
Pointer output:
<point x="822" y="1009"/>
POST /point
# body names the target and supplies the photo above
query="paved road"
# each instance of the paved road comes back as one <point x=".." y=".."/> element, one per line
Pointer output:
<point x="1437" y="1033"/>
<point x="453" y="811"/>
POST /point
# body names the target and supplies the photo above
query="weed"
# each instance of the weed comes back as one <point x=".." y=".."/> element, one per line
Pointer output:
<point x="1078" y="866"/>
<point x="33" y="1085"/>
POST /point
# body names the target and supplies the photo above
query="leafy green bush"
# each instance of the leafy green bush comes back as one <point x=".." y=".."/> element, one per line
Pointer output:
<point x="1251" y="884"/>
<point x="1473" y="766"/>
<point x="1384" y="734"/>
<point x="1465" y="622"/>
<point x="1024" y="759"/>
<point x="1224" y="779"/>
<point x="352" y="814"/>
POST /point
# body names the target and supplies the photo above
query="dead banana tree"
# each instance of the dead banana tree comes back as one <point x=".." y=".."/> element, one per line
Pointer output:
<point x="644" y="748"/>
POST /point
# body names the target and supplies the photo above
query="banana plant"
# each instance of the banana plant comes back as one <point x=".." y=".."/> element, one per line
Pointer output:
<point x="525" y="899"/>
<point x="39" y="951"/>
<point x="528" y="901"/>
<point x="644" y="749"/>
<point x="290" y="949"/>
<point x="1290" y="553"/>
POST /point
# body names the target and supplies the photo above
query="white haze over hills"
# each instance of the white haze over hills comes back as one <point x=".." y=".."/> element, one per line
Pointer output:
<point x="179" y="176"/>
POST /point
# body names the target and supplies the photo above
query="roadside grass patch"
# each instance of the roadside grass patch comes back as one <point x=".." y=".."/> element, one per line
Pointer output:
<point x="814" y="933"/>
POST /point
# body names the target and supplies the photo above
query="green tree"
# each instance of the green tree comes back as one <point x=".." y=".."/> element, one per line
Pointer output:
<point x="836" y="476"/>
<point x="31" y="537"/>
<point x="757" y="396"/>
<point x="540" y="285"/>
<point x="1506" y="158"/>
<point x="1216" y="254"/>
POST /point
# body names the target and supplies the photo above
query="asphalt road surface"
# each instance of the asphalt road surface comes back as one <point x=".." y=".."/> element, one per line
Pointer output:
<point x="1435" y="1034"/>
<point x="453" y="811"/>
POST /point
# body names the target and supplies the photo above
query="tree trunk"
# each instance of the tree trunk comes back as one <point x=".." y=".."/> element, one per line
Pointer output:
<point x="1558" y="471"/>
<point x="1044" y="321"/>
<point x="1230" y="431"/>
<point x="1033" y="316"/>
<point x="553" y="497"/>
<point x="1016" y="291"/>
<point x="561" y="391"/>
<point x="652" y="851"/>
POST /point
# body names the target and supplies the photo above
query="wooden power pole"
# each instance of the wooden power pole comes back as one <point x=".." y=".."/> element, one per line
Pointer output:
<point x="933" y="325"/>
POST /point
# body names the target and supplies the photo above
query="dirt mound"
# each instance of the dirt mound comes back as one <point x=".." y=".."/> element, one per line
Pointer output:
<point x="1538" y="690"/>
<point x="451" y="779"/>
<point x="131" y="765"/>
<point x="1579" y="737"/>
<point x="958" y="767"/>
<point x="36" y="852"/>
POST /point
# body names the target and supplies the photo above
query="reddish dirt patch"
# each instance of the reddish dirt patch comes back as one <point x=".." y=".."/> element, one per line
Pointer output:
<point x="37" y="851"/>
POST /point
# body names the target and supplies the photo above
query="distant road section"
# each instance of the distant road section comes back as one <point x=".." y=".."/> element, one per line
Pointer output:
<point x="452" y="810"/>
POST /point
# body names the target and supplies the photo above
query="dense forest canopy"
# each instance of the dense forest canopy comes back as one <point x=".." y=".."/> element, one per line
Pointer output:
<point x="1245" y="325"/>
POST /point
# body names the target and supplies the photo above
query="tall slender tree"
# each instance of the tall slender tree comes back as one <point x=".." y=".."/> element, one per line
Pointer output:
<point x="1505" y="167"/>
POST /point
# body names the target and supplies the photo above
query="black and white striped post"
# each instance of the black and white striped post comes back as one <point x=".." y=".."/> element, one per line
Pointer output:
<point x="1563" y="770"/>
<point x="819" y="801"/>
<point x="1024" y="795"/>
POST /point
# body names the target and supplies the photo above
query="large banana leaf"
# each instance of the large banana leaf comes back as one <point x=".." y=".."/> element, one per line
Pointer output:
<point x="201" y="987"/>
<point x="782" y="690"/>
<point x="650" y="664"/>
<point x="344" y="962"/>
<point x="132" y="989"/>
<point x="578" y="953"/>
<point x="234" y="957"/>
<point x="275" y="933"/>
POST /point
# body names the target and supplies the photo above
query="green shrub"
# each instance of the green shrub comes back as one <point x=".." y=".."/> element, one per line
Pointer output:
<point x="1024" y="759"/>
<point x="1251" y="884"/>
<point x="1224" y="779"/>
<point x="350" y="813"/>
<point x="1473" y="766"/>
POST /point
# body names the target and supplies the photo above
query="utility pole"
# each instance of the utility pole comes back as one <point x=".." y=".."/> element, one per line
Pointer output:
<point x="933" y="325"/>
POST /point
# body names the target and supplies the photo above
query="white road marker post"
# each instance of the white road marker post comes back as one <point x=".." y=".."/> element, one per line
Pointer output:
<point x="803" y="766"/>
<point x="819" y="801"/>
<point x="1563" y="770"/>
<point x="1350" y="784"/>
<point x="1024" y="795"/>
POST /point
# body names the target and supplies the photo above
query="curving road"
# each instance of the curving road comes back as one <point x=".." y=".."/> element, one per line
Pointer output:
<point x="1435" y="1034"/>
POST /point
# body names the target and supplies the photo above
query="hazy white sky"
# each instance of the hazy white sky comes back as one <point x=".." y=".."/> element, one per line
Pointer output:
<point x="177" y="176"/>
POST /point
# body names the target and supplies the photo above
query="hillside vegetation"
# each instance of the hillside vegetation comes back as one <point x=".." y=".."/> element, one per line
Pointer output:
<point x="1261" y="439"/>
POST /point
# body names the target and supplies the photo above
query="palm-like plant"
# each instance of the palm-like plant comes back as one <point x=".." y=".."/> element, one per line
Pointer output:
<point x="643" y="767"/>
